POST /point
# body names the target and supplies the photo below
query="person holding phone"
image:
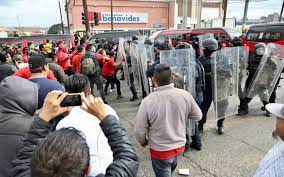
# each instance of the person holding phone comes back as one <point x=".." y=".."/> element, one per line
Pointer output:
<point x="65" y="152"/>
<point x="100" y="153"/>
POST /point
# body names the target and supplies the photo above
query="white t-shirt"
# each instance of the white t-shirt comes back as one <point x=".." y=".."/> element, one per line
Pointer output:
<point x="100" y="153"/>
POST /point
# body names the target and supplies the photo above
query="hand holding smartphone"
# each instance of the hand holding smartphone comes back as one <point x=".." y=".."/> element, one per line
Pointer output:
<point x="72" y="99"/>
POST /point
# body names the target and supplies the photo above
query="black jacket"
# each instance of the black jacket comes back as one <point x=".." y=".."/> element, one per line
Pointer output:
<point x="125" y="163"/>
<point x="18" y="102"/>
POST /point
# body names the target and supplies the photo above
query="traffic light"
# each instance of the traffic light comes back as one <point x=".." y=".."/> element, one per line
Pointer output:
<point x="96" y="19"/>
<point x="83" y="18"/>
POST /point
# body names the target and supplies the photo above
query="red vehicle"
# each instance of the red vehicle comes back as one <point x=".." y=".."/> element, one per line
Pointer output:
<point x="23" y="41"/>
<point x="225" y="35"/>
<point x="265" y="33"/>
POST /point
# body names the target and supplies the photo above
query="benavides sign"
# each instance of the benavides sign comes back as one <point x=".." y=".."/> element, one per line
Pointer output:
<point x="105" y="17"/>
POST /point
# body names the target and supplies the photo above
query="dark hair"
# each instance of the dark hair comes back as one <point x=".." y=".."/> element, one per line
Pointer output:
<point x="77" y="83"/>
<point x="47" y="40"/>
<point x="3" y="57"/>
<point x="80" y="48"/>
<point x="101" y="51"/>
<point x="110" y="53"/>
<point x="52" y="55"/>
<point x="62" y="153"/>
<point x="89" y="47"/>
<point x="162" y="74"/>
<point x="41" y="47"/>
<point x="30" y="43"/>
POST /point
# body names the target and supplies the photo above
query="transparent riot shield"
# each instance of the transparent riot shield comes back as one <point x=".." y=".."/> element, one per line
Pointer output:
<point x="122" y="58"/>
<point x="225" y="79"/>
<point x="268" y="72"/>
<point x="134" y="56"/>
<point x="243" y="72"/>
<point x="182" y="63"/>
<point x="201" y="38"/>
<point x="141" y="39"/>
<point x="143" y="65"/>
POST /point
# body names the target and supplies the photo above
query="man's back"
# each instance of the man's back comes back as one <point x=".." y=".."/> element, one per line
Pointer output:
<point x="167" y="110"/>
<point x="44" y="87"/>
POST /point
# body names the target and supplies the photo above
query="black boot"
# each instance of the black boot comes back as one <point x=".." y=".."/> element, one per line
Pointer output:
<point x="242" y="112"/>
<point x="134" y="97"/>
<point x="220" y="131"/>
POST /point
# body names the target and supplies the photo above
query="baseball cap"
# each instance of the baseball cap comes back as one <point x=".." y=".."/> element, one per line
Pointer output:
<point x="276" y="109"/>
<point x="37" y="61"/>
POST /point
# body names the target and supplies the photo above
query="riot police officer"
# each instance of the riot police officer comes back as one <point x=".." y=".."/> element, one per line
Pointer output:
<point x="209" y="46"/>
<point x="199" y="88"/>
<point x="259" y="51"/>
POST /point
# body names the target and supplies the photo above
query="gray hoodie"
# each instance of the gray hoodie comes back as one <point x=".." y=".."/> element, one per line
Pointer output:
<point x="18" y="102"/>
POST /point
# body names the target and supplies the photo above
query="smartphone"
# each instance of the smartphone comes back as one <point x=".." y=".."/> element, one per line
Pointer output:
<point x="72" y="99"/>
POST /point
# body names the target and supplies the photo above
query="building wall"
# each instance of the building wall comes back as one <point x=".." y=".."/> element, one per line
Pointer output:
<point x="158" y="13"/>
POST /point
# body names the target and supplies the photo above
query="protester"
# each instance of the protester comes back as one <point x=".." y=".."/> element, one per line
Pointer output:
<point x="161" y="121"/>
<point x="100" y="152"/>
<point x="65" y="152"/>
<point x="26" y="73"/>
<point x="56" y="69"/>
<point x="18" y="103"/>
<point x="273" y="162"/>
<point x="91" y="67"/>
<point x="39" y="67"/>
<point x="108" y="73"/>
<point x="77" y="59"/>
<point x="64" y="60"/>
<point x="6" y="68"/>
<point x="19" y="61"/>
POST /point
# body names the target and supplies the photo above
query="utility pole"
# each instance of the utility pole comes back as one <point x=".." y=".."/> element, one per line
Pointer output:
<point x="245" y="14"/>
<point x="225" y="5"/>
<point x="85" y="5"/>
<point x="281" y="13"/>
<point x="67" y="14"/>
<point x="19" y="21"/>
<point x="111" y="15"/>
<point x="185" y="9"/>
<point x="62" y="25"/>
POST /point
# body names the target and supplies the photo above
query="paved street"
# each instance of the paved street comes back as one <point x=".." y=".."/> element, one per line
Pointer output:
<point x="237" y="153"/>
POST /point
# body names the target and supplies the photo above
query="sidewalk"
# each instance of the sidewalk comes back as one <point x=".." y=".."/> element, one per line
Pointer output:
<point x="237" y="153"/>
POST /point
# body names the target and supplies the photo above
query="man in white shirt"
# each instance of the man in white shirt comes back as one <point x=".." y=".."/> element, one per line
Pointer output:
<point x="273" y="163"/>
<point x="100" y="153"/>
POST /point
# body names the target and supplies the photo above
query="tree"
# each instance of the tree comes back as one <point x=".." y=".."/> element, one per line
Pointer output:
<point x="55" y="29"/>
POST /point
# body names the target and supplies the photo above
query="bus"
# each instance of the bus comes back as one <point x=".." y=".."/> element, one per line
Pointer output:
<point x="266" y="33"/>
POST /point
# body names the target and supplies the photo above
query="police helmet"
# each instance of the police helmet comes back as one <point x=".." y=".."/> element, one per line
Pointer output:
<point x="134" y="38"/>
<point x="148" y="42"/>
<point x="183" y="45"/>
<point x="259" y="49"/>
<point x="237" y="41"/>
<point x="210" y="43"/>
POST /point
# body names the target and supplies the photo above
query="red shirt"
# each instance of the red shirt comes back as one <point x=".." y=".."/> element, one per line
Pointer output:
<point x="26" y="73"/>
<point x="100" y="58"/>
<point x="76" y="61"/>
<point x="164" y="155"/>
<point x="109" y="68"/>
<point x="63" y="60"/>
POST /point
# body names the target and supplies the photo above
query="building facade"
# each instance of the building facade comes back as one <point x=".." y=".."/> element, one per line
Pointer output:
<point x="139" y="14"/>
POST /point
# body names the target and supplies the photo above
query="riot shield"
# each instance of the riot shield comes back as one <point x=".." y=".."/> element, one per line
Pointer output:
<point x="225" y="77"/>
<point x="143" y="65"/>
<point x="268" y="73"/>
<point x="141" y="39"/>
<point x="201" y="38"/>
<point x="182" y="63"/>
<point x="243" y="72"/>
<point x="134" y="56"/>
<point x="122" y="58"/>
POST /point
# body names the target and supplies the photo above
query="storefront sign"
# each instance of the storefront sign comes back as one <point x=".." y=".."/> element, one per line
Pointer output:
<point x="124" y="17"/>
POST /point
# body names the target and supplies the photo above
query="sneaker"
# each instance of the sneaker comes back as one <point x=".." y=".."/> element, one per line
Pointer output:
<point x="263" y="108"/>
<point x="267" y="114"/>
<point x="119" y="97"/>
<point x="111" y="90"/>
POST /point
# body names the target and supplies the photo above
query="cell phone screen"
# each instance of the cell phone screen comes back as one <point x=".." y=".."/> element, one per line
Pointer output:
<point x="71" y="100"/>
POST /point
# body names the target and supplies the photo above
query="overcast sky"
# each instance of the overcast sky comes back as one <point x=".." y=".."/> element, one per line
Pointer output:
<point x="45" y="13"/>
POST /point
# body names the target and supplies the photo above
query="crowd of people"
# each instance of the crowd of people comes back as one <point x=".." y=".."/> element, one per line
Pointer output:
<point x="41" y="137"/>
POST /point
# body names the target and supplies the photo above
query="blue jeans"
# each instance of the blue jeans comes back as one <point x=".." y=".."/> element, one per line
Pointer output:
<point x="164" y="168"/>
